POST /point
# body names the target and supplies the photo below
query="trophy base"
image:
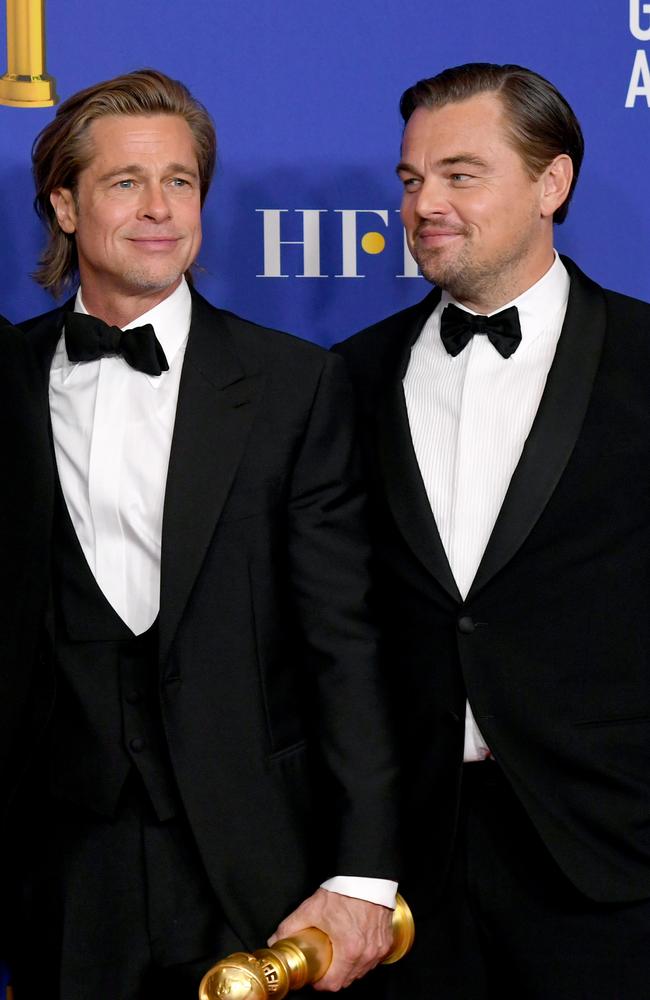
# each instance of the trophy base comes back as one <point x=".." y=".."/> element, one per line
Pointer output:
<point x="18" y="91"/>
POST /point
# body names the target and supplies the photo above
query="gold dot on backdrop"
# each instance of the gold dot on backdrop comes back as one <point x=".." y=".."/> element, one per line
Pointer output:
<point x="373" y="242"/>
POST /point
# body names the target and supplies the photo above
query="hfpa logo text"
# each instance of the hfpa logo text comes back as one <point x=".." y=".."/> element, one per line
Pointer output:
<point x="277" y="258"/>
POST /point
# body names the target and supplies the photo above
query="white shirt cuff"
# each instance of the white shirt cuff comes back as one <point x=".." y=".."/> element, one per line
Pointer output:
<point x="375" y="890"/>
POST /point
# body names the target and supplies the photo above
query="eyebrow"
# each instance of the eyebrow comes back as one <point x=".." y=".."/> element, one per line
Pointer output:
<point x="473" y="161"/>
<point x="446" y="161"/>
<point x="138" y="170"/>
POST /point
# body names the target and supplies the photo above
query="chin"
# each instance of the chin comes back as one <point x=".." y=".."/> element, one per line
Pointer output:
<point x="435" y="271"/>
<point x="141" y="280"/>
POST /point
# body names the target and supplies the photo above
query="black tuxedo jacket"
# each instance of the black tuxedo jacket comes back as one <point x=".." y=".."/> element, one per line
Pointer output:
<point x="25" y="520"/>
<point x="552" y="643"/>
<point x="269" y="693"/>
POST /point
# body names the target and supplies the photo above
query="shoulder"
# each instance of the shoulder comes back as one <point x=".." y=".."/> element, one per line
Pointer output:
<point x="12" y="341"/>
<point x="634" y="313"/>
<point x="377" y="351"/>
<point x="380" y="337"/>
<point x="627" y="342"/>
<point x="47" y="320"/>
<point x="621" y="309"/>
<point x="257" y="337"/>
<point x="257" y="346"/>
<point x="627" y="320"/>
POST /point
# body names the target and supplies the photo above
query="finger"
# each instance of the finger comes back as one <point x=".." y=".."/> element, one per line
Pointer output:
<point x="351" y="960"/>
<point x="289" y="926"/>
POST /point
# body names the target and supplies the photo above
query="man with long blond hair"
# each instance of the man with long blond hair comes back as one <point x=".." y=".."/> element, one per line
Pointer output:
<point x="219" y="746"/>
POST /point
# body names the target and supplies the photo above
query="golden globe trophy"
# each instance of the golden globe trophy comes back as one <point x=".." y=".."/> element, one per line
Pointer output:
<point x="293" y="962"/>
<point x="26" y="84"/>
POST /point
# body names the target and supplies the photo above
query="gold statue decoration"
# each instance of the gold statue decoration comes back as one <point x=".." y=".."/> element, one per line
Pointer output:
<point x="26" y="84"/>
<point x="270" y="973"/>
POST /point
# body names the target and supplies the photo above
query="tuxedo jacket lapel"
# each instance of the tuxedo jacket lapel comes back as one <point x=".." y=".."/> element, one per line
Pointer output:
<point x="405" y="489"/>
<point x="44" y="333"/>
<point x="216" y="405"/>
<point x="556" y="426"/>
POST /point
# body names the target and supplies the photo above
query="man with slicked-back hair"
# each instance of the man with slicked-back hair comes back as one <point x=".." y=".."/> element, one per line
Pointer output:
<point x="506" y="426"/>
<point x="219" y="764"/>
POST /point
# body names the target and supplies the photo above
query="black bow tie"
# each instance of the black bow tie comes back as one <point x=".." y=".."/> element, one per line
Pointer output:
<point x="457" y="328"/>
<point x="88" y="338"/>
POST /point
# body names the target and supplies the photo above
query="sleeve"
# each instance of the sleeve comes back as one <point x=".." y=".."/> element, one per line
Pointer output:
<point x="329" y="573"/>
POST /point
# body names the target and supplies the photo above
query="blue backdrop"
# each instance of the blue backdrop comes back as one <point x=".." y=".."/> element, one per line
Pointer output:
<point x="305" y="95"/>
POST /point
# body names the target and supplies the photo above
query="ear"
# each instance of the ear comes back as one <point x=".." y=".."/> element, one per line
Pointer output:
<point x="556" y="184"/>
<point x="65" y="209"/>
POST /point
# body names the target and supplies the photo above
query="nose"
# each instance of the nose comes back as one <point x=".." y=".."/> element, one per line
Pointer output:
<point x="431" y="199"/>
<point x="153" y="205"/>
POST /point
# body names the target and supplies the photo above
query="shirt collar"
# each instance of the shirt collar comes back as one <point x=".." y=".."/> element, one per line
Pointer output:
<point x="170" y="319"/>
<point x="538" y="306"/>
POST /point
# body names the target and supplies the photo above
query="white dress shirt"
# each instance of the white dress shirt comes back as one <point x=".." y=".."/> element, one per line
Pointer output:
<point x="470" y="417"/>
<point x="112" y="428"/>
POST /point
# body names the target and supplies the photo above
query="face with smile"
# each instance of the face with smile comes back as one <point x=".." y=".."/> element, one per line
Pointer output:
<point x="476" y="222"/>
<point x="135" y="214"/>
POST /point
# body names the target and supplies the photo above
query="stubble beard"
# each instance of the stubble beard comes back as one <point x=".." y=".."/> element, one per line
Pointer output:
<point x="468" y="278"/>
<point x="141" y="279"/>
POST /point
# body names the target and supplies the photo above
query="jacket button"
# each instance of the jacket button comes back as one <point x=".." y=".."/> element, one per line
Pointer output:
<point x="133" y="697"/>
<point x="466" y="625"/>
<point x="137" y="744"/>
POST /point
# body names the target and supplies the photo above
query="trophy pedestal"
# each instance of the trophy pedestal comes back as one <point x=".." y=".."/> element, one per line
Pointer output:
<point x="18" y="91"/>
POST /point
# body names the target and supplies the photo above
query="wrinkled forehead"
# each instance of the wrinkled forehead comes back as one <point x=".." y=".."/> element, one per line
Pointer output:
<point x="144" y="140"/>
<point x="477" y="126"/>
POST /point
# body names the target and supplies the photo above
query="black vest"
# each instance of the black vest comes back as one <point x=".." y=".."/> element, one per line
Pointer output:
<point x="107" y="719"/>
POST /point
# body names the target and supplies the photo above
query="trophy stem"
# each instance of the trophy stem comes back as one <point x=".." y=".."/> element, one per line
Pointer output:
<point x="26" y="83"/>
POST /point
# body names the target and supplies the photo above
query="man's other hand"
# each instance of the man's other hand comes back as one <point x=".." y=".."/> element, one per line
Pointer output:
<point x="360" y="933"/>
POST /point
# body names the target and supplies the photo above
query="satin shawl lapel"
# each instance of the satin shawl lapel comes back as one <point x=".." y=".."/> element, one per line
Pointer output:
<point x="556" y="426"/>
<point x="216" y="404"/>
<point x="405" y="489"/>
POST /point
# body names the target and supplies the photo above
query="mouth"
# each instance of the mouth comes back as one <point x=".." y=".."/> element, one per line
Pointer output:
<point x="155" y="244"/>
<point x="436" y="237"/>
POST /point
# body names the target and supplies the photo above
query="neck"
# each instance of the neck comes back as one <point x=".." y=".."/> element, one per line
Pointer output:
<point x="118" y="309"/>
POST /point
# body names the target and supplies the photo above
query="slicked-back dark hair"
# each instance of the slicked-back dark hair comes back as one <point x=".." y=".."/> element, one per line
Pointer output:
<point x="540" y="123"/>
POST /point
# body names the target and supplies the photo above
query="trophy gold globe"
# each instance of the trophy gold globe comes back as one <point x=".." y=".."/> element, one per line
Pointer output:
<point x="26" y="83"/>
<point x="293" y="962"/>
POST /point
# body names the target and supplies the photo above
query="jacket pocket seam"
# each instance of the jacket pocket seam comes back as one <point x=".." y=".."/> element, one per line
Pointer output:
<point x="598" y="723"/>
<point x="288" y="751"/>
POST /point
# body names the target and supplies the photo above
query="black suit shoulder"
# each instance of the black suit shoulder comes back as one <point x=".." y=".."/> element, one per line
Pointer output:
<point x="50" y="316"/>
<point x="631" y="318"/>
<point x="374" y="347"/>
<point x="298" y="364"/>
<point x="262" y="338"/>
<point x="270" y="341"/>
<point x="379" y="352"/>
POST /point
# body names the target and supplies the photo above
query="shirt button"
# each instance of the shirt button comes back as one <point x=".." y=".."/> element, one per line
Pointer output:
<point x="133" y="697"/>
<point x="137" y="744"/>
<point x="466" y="625"/>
